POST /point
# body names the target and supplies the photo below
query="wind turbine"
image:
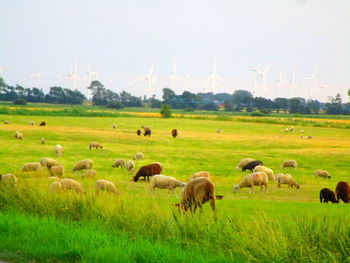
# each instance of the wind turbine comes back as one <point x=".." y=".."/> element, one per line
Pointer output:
<point x="263" y="79"/>
<point x="281" y="82"/>
<point x="187" y="81"/>
<point x="73" y="76"/>
<point x="323" y="88"/>
<point x="213" y="79"/>
<point x="57" y="78"/>
<point x="173" y="78"/>
<point x="256" y="71"/>
<point x="148" y="80"/>
<point x="311" y="81"/>
<point x="292" y="85"/>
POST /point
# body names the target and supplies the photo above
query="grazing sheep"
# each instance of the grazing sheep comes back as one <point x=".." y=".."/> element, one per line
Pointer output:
<point x="309" y="137"/>
<point x="8" y="179"/>
<point x="95" y="145"/>
<point x="148" y="170"/>
<point x="6" y="122"/>
<point x="130" y="166"/>
<point x="196" y="193"/>
<point x="218" y="130"/>
<point x="138" y="132"/>
<point x="18" y="135"/>
<point x="55" y="187"/>
<point x="56" y="170"/>
<point x="70" y="184"/>
<point x="219" y="197"/>
<point x="257" y="178"/>
<point x="287" y="179"/>
<point x="342" y="192"/>
<point x="291" y="129"/>
<point x="104" y="185"/>
<point x="43" y="123"/>
<point x="268" y="171"/>
<point x="58" y="150"/>
<point x="81" y="165"/>
<point x="301" y="131"/>
<point x="42" y="141"/>
<point x="243" y="162"/>
<point x="251" y="165"/>
<point x="322" y="173"/>
<point x="201" y="174"/>
<point x="31" y="167"/>
<point x="114" y="126"/>
<point x="118" y="163"/>
<point x="138" y="156"/>
<point x="326" y="195"/>
<point x="165" y="182"/>
<point x="90" y="173"/>
<point x="174" y="133"/>
<point x="147" y="131"/>
<point x="286" y="130"/>
<point x="49" y="162"/>
<point x="31" y="123"/>
<point x="279" y="174"/>
<point x="290" y="163"/>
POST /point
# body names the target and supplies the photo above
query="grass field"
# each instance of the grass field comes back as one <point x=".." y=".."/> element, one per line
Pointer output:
<point x="285" y="225"/>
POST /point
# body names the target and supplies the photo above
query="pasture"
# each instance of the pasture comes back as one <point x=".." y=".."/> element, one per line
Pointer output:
<point x="283" y="225"/>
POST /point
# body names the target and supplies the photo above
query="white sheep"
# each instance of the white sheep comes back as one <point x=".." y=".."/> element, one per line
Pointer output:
<point x="130" y="166"/>
<point x="58" y="150"/>
<point x="89" y="173"/>
<point x="257" y="178"/>
<point x="71" y="184"/>
<point x="81" y="165"/>
<point x="280" y="174"/>
<point x="6" y="122"/>
<point x="138" y="156"/>
<point x="301" y="131"/>
<point x="201" y="174"/>
<point x="55" y="187"/>
<point x="42" y="141"/>
<point x="18" y="135"/>
<point x="268" y="171"/>
<point x="290" y="163"/>
<point x="118" y="163"/>
<point x="105" y="185"/>
<point x="322" y="173"/>
<point x="243" y="162"/>
<point x="287" y="179"/>
<point x="165" y="182"/>
<point x="114" y="126"/>
<point x="31" y="123"/>
<point x="49" y="162"/>
<point x="56" y="170"/>
<point x="31" y="167"/>
<point x="8" y="179"/>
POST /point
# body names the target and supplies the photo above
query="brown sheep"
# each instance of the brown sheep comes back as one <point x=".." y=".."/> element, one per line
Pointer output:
<point x="118" y="163"/>
<point x="56" y="170"/>
<point x="342" y="192"/>
<point x="43" y="123"/>
<point x="196" y="193"/>
<point x="326" y="195"/>
<point x="174" y="133"/>
<point x="95" y="145"/>
<point x="147" y="131"/>
<point x="138" y="132"/>
<point x="81" y="165"/>
<point x="148" y="170"/>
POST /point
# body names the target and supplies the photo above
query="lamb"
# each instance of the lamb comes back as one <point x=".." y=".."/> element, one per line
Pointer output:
<point x="342" y="192"/>
<point x="326" y="195"/>
<point x="114" y="126"/>
<point x="268" y="171"/>
<point x="49" y="162"/>
<point x="251" y="165"/>
<point x="118" y="163"/>
<point x="130" y="166"/>
<point x="257" y="178"/>
<point x="42" y="141"/>
<point x="174" y="133"/>
<point x="8" y="179"/>
<point x="56" y="170"/>
<point x="89" y="173"/>
<point x="43" y="123"/>
<point x="165" y="182"/>
<point x="148" y="170"/>
<point x="95" y="145"/>
<point x="81" y="165"/>
<point x="58" y="150"/>
<point x="55" y="187"/>
<point x="31" y="167"/>
<point x="287" y="179"/>
<point x="243" y="162"/>
<point x="138" y="132"/>
<point x="18" y="135"/>
<point x="31" y="123"/>
<point x="70" y="184"/>
<point x="104" y="185"/>
<point x="322" y="173"/>
<point x="196" y="193"/>
<point x="138" y="156"/>
<point x="201" y="174"/>
<point x="290" y="163"/>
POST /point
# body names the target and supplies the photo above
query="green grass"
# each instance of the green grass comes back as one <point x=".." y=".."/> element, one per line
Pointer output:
<point x="285" y="225"/>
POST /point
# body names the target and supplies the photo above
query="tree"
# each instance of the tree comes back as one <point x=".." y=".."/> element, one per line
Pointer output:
<point x="168" y="95"/>
<point x="280" y="103"/>
<point x="115" y="105"/>
<point x="314" y="106"/>
<point x="242" y="97"/>
<point x="296" y="105"/>
<point x="165" y="111"/>
<point x="20" y="101"/>
<point x="228" y="106"/>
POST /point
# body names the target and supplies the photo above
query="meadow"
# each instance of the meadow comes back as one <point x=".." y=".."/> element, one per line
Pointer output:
<point x="284" y="225"/>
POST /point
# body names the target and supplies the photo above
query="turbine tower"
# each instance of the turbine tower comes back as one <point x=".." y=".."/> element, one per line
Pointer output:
<point x="281" y="82"/>
<point x="311" y="81"/>
<point x="187" y="81"/>
<point x="256" y="71"/>
<point x="173" y="78"/>
<point x="292" y="85"/>
<point x="213" y="79"/>
<point x="263" y="79"/>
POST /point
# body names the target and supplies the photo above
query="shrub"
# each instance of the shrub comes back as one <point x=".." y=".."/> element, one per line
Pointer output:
<point x="165" y="111"/>
<point x="115" y="105"/>
<point x="20" y="101"/>
<point x="257" y="114"/>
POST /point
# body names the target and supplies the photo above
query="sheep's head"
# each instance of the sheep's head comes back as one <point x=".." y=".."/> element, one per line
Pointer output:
<point x="297" y="186"/>
<point x="219" y="197"/>
<point x="236" y="188"/>
<point x="136" y="178"/>
<point x="182" y="185"/>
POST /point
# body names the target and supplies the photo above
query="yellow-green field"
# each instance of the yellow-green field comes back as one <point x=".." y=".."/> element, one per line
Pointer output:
<point x="285" y="225"/>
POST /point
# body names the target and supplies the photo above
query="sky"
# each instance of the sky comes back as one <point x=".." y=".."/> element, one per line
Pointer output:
<point x="121" y="39"/>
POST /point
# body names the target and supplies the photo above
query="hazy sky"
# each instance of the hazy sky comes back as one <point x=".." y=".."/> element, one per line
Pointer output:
<point x="121" y="39"/>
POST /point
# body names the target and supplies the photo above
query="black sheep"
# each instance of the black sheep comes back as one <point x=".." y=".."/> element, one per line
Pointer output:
<point x="327" y="195"/>
<point x="138" y="132"/>
<point x="174" y="133"/>
<point x="147" y="133"/>
<point x="251" y="165"/>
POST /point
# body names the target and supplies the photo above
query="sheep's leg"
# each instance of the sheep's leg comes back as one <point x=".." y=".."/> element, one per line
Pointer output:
<point x="279" y="185"/>
<point x="267" y="190"/>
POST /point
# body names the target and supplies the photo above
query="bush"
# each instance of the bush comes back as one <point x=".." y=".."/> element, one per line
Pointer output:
<point x="20" y="101"/>
<point x="165" y="111"/>
<point x="257" y="114"/>
<point x="115" y="105"/>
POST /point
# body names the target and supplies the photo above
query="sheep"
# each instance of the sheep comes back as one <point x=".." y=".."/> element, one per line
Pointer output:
<point x="42" y="141"/>
<point x="18" y="135"/>
<point x="286" y="130"/>
<point x="257" y="178"/>
<point x="81" y="165"/>
<point x="201" y="174"/>
<point x="268" y="171"/>
<point x="31" y="123"/>
<point x="56" y="170"/>
<point x="114" y="126"/>
<point x="342" y="192"/>
<point x="138" y="132"/>
<point x="48" y="162"/>
<point x="287" y="179"/>
<point x="301" y="131"/>
<point x="165" y="182"/>
<point x="148" y="170"/>
<point x="31" y="167"/>
<point x="290" y="163"/>
<point x="104" y="185"/>
<point x="280" y="174"/>
<point x="58" y="150"/>
<point x="243" y="162"/>
<point x="6" y="122"/>
<point x="118" y="163"/>
<point x="309" y="137"/>
<point x="130" y="166"/>
<point x="95" y="145"/>
<point x="89" y="173"/>
<point x="251" y="165"/>
<point x="43" y="123"/>
<point x="196" y="193"/>
<point x="8" y="179"/>
<point x="322" y="173"/>
<point x="55" y="187"/>
<point x="147" y="131"/>
<point x="218" y="130"/>
<point x="174" y="133"/>
<point x="71" y="184"/>
<point x="138" y="156"/>
<point x="291" y="129"/>
<point x="326" y="195"/>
